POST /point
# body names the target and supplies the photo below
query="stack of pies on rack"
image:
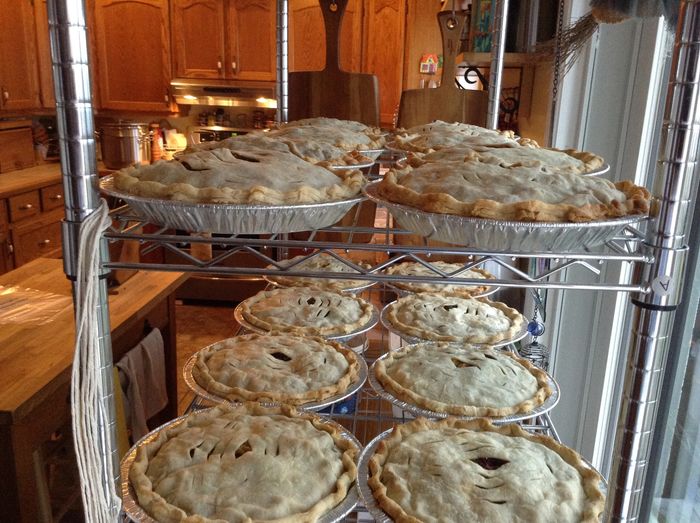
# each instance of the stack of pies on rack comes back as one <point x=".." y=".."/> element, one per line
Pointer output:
<point x="306" y="311"/>
<point x="437" y="317"/>
<point x="322" y="262"/>
<point x="244" y="463"/>
<point x="278" y="368"/>
<point x="462" y="380"/>
<point x="452" y="269"/>
<point x="454" y="471"/>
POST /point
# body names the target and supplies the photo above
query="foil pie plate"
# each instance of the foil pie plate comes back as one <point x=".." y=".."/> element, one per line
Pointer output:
<point x="232" y="218"/>
<point x="370" y="502"/>
<point x="374" y="154"/>
<point x="546" y="406"/>
<point x="383" y="317"/>
<point x="361" y="166"/>
<point x="312" y="405"/>
<point x="133" y="510"/>
<point x="340" y="338"/>
<point x="482" y="233"/>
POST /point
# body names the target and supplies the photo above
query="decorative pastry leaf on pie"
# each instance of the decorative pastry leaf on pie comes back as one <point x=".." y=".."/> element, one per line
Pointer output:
<point x="487" y="190"/>
<point x="322" y="262"/>
<point x="454" y="471"/>
<point x="307" y="311"/>
<point x="242" y="464"/>
<point x="437" y="317"/>
<point x="275" y="368"/>
<point x="463" y="380"/>
<point x="452" y="269"/>
<point x="250" y="175"/>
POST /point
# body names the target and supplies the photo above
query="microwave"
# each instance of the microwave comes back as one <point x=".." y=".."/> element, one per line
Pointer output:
<point x="213" y="133"/>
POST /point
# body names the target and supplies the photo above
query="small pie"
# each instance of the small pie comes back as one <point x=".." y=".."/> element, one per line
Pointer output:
<point x="436" y="317"/>
<point x="463" y="380"/>
<point x="306" y="311"/>
<point x="246" y="176"/>
<point x="455" y="471"/>
<point x="451" y="269"/>
<point x="322" y="262"/>
<point x="437" y="135"/>
<point x="275" y="368"/>
<point x="343" y="137"/>
<point x="486" y="190"/>
<point x="243" y="464"/>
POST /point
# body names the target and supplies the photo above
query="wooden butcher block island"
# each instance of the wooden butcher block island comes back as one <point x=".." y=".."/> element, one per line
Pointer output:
<point x="36" y="365"/>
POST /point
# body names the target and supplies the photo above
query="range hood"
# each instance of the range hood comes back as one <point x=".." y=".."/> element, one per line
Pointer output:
<point x="225" y="93"/>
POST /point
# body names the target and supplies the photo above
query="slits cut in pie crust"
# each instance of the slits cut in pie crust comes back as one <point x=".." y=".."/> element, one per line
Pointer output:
<point x="307" y="311"/>
<point x="475" y="471"/>
<point x="453" y="269"/>
<point x="322" y="262"/>
<point x="244" y="464"/>
<point x="463" y="380"/>
<point x="437" y="317"/>
<point x="275" y="368"/>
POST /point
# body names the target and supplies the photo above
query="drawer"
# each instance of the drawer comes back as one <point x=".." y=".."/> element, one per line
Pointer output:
<point x="52" y="197"/>
<point x="24" y="206"/>
<point x="41" y="239"/>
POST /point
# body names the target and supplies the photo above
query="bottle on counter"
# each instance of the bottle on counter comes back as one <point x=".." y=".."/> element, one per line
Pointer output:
<point x="156" y="142"/>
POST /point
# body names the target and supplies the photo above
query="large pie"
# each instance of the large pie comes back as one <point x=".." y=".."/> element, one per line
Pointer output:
<point x="249" y="175"/>
<point x="457" y="471"/>
<point x="411" y="268"/>
<point x="275" y="368"/>
<point x="322" y="262"/>
<point x="438" y="317"/>
<point x="437" y="135"/>
<point x="463" y="380"/>
<point x="483" y="189"/>
<point x="306" y="311"/>
<point x="244" y="464"/>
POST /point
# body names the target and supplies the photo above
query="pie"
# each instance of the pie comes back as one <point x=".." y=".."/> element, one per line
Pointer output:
<point x="250" y="175"/>
<point x="462" y="379"/>
<point x="481" y="189"/>
<point x="451" y="269"/>
<point x="347" y="134"/>
<point x="243" y="464"/>
<point x="455" y="471"/>
<point x="437" y="135"/>
<point x="306" y="311"/>
<point x="275" y="368"/>
<point x="322" y="262"/>
<point x="437" y="317"/>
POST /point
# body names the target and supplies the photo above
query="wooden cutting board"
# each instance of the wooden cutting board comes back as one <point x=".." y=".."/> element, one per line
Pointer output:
<point x="332" y="92"/>
<point x="446" y="102"/>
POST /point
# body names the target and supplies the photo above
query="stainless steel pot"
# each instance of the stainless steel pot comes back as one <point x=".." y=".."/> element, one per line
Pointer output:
<point x="124" y="144"/>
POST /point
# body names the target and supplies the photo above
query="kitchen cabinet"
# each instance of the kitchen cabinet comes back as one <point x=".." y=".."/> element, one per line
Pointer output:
<point x="19" y="83"/>
<point x="43" y="47"/>
<point x="239" y="37"/>
<point x="131" y="54"/>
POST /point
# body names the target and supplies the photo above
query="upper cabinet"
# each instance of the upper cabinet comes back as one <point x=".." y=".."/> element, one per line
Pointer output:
<point x="43" y="46"/>
<point x="19" y="82"/>
<point x="224" y="39"/>
<point x="132" y="54"/>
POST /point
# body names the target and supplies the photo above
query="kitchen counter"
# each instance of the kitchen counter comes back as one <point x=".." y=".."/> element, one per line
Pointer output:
<point x="36" y="366"/>
<point x="16" y="182"/>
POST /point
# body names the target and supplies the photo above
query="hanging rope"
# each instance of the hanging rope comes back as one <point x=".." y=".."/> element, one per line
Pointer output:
<point x="90" y="425"/>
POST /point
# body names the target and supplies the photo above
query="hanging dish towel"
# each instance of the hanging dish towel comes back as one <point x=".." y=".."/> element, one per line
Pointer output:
<point x="142" y="376"/>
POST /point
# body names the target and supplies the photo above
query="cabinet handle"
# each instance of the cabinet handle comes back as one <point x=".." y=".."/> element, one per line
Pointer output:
<point x="166" y="98"/>
<point x="44" y="242"/>
<point x="234" y="66"/>
<point x="5" y="95"/>
<point x="10" y="248"/>
<point x="26" y="207"/>
<point x="219" y="65"/>
<point x="56" y="197"/>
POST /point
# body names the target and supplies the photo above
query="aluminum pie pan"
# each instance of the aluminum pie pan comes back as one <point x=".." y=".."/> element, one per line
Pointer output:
<point x="311" y="405"/>
<point x="374" y="154"/>
<point x="546" y="406"/>
<point x="349" y="290"/>
<point x="340" y="338"/>
<point x="383" y="317"/>
<point x="227" y="218"/>
<point x="134" y="511"/>
<point x="500" y="235"/>
<point x="367" y="497"/>
<point x="359" y="165"/>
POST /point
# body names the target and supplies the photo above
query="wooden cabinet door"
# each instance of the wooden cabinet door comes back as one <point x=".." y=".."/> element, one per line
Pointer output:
<point x="132" y="51"/>
<point x="43" y="47"/>
<point x="383" y="55"/>
<point x="252" y="39"/>
<point x="198" y="36"/>
<point x="307" y="36"/>
<point x="19" y="83"/>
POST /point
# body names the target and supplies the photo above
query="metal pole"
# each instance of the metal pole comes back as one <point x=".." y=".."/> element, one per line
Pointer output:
<point x="654" y="311"/>
<point x="71" y="76"/>
<point x="498" y="47"/>
<point x="282" y="60"/>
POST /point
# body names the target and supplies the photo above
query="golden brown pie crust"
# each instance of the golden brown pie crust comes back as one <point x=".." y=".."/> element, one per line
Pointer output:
<point x="466" y="291"/>
<point x="590" y="479"/>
